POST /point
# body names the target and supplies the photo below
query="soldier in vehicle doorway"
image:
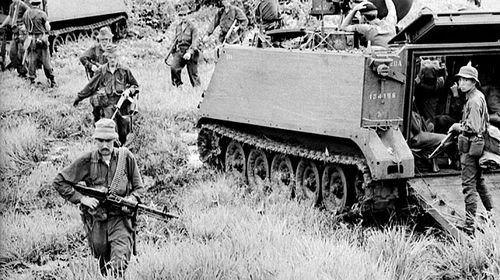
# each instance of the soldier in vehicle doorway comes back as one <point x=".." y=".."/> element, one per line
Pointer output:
<point x="429" y="87"/>
<point x="110" y="230"/>
<point x="109" y="84"/>
<point x="471" y="131"/>
<point x="267" y="15"/>
<point x="185" y="52"/>
<point x="224" y="19"/>
<point x="374" y="30"/>
<point x="94" y="58"/>
<point x="15" y="19"/>
<point x="37" y="45"/>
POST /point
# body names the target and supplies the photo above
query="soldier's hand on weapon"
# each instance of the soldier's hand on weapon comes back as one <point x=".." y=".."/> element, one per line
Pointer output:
<point x="94" y="68"/>
<point x="456" y="127"/>
<point x="76" y="101"/>
<point x="90" y="202"/>
<point x="132" y="199"/>
<point x="187" y="56"/>
<point x="454" y="90"/>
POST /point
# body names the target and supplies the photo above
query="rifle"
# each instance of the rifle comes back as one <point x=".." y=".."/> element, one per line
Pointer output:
<point x="229" y="32"/>
<point x="172" y="47"/>
<point x="87" y="71"/>
<point x="114" y="200"/>
<point x="441" y="145"/>
<point x="126" y="95"/>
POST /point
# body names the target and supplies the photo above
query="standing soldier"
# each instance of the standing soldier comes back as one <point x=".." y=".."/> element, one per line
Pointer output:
<point x="94" y="58"/>
<point x="185" y="51"/>
<point x="38" y="27"/>
<point x="15" y="19"/>
<point x="472" y="129"/>
<point x="110" y="230"/>
<point x="267" y="14"/>
<point x="225" y="18"/>
<point x="109" y="84"/>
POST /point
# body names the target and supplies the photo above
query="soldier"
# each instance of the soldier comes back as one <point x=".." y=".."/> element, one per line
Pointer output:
<point x="38" y="27"/>
<point x="94" y="57"/>
<point x="267" y="14"/>
<point x="109" y="83"/>
<point x="472" y="128"/>
<point x="15" y="19"/>
<point x="377" y="31"/>
<point x="185" y="51"/>
<point x="225" y="18"/>
<point x="110" y="231"/>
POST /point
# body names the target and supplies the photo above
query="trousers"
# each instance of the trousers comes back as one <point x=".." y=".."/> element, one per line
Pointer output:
<point x="111" y="242"/>
<point x="16" y="53"/>
<point x="473" y="186"/>
<point x="178" y="62"/>
<point x="38" y="54"/>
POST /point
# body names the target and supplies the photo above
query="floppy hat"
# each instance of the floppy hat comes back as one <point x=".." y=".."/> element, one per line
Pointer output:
<point x="468" y="72"/>
<point x="183" y="10"/>
<point x="105" y="33"/>
<point x="105" y="129"/>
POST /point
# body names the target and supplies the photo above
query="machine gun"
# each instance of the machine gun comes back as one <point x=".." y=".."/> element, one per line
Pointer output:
<point x="118" y="201"/>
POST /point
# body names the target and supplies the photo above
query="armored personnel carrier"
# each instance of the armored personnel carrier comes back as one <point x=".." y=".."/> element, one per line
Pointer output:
<point x="75" y="19"/>
<point x="333" y="127"/>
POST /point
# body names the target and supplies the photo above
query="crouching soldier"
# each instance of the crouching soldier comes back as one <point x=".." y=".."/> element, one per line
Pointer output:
<point x="111" y="83"/>
<point x="110" y="230"/>
<point x="94" y="58"/>
<point x="37" y="43"/>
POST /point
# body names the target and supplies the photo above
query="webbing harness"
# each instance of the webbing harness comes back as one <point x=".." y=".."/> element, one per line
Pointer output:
<point x="120" y="178"/>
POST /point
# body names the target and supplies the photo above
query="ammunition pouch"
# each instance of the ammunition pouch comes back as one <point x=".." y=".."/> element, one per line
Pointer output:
<point x="476" y="146"/>
<point x="100" y="99"/>
<point x="463" y="143"/>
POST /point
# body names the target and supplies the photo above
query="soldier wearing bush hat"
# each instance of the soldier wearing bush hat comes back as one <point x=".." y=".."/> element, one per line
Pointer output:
<point x="105" y="89"/>
<point x="185" y="51"/>
<point x="472" y="129"/>
<point x="110" y="230"/>
<point x="94" y="57"/>
<point x="375" y="30"/>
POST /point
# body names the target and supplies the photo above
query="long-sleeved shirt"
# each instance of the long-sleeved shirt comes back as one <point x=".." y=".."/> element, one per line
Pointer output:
<point x="475" y="113"/>
<point x="112" y="83"/>
<point x="267" y="10"/>
<point x="81" y="170"/>
<point x="225" y="18"/>
<point x="94" y="54"/>
<point x="35" y="20"/>
<point x="21" y="8"/>
<point x="187" y="37"/>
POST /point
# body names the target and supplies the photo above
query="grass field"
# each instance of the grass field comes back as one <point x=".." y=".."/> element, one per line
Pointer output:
<point x="221" y="235"/>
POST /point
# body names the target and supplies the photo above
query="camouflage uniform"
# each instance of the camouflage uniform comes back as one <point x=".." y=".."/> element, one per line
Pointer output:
<point x="113" y="84"/>
<point x="187" y="42"/>
<point x="38" y="50"/>
<point x="224" y="19"/>
<point x="110" y="232"/>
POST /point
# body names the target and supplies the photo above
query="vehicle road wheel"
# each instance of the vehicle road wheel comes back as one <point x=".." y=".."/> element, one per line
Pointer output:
<point x="282" y="173"/>
<point x="70" y="37"/>
<point x="257" y="167"/>
<point x="83" y="36"/>
<point x="208" y="148"/>
<point x="94" y="33"/>
<point x="57" y="42"/>
<point x="235" y="159"/>
<point x="334" y="188"/>
<point x="307" y="182"/>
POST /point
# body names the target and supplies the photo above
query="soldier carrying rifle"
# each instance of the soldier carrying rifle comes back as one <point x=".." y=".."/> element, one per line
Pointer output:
<point x="15" y="19"/>
<point x="110" y="229"/>
<point x="111" y="83"/>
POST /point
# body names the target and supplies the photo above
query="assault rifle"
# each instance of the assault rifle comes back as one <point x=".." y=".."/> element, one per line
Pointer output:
<point x="442" y="145"/>
<point x="119" y="201"/>
<point x="172" y="47"/>
<point x="127" y="94"/>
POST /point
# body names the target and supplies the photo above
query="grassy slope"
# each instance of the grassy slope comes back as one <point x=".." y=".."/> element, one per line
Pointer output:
<point x="220" y="236"/>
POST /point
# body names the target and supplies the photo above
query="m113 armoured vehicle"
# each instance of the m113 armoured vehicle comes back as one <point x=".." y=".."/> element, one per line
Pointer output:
<point x="75" y="19"/>
<point x="334" y="128"/>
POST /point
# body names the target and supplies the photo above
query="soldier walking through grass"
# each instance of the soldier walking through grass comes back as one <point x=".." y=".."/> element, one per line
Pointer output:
<point x="15" y="19"/>
<point x="185" y="52"/>
<point x="94" y="57"/>
<point x="224" y="20"/>
<point x="110" y="230"/>
<point x="37" y="45"/>
<point x="107" y="86"/>
<point x="472" y="129"/>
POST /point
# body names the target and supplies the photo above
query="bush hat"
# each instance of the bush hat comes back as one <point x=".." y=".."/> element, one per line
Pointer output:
<point x="105" y="129"/>
<point x="105" y="33"/>
<point x="468" y="72"/>
<point x="183" y="10"/>
<point x="110" y="50"/>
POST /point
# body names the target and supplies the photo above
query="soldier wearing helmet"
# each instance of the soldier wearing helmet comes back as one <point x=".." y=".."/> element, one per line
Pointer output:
<point x="185" y="51"/>
<point x="472" y="129"/>
<point x="38" y="27"/>
<point x="374" y="30"/>
<point x="15" y="19"/>
<point x="94" y="57"/>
